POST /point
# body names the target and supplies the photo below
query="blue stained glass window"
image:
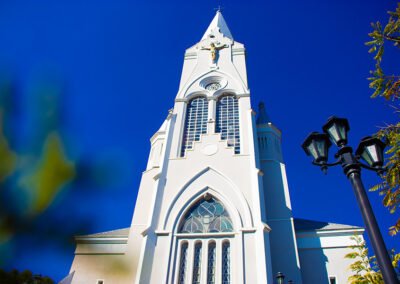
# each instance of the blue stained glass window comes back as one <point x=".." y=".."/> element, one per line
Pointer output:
<point x="207" y="216"/>
<point x="197" y="264"/>
<point x="228" y="121"/>
<point x="196" y="122"/>
<point x="226" y="263"/>
<point x="211" y="263"/>
<point x="183" y="263"/>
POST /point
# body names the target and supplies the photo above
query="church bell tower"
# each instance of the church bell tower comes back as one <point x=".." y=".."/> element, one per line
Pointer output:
<point x="213" y="204"/>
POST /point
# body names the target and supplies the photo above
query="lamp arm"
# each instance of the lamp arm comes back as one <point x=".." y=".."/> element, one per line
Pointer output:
<point x="324" y="164"/>
<point x="379" y="170"/>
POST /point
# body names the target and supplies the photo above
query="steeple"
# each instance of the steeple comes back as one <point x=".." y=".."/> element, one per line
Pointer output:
<point x="262" y="114"/>
<point x="217" y="24"/>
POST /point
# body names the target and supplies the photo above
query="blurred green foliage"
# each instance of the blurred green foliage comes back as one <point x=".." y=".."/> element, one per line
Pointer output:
<point x="38" y="173"/>
<point x="49" y="174"/>
<point x="32" y="173"/>
<point x="8" y="157"/>
<point x="388" y="87"/>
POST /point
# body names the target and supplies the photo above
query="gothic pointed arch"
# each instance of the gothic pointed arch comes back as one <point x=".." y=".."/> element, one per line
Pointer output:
<point x="196" y="84"/>
<point x="204" y="226"/>
<point x="218" y="185"/>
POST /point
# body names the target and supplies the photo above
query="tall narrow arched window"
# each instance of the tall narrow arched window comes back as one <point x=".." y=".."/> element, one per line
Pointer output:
<point x="226" y="263"/>
<point x="196" y="122"/>
<point x="197" y="263"/>
<point x="204" y="221"/>
<point x="183" y="263"/>
<point x="228" y="121"/>
<point x="211" y="263"/>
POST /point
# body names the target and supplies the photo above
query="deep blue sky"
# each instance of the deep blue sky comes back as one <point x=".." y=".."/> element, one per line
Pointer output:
<point x="119" y="63"/>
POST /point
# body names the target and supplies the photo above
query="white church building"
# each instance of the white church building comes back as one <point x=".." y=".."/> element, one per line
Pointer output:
<point x="214" y="204"/>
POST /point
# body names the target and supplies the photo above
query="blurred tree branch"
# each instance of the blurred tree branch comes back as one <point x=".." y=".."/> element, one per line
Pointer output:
<point x="388" y="87"/>
<point x="28" y="186"/>
<point x="365" y="269"/>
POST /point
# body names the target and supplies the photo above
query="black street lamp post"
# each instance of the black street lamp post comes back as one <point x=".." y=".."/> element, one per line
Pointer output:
<point x="280" y="277"/>
<point x="370" y="150"/>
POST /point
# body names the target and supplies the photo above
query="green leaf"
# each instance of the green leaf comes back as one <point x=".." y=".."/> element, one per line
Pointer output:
<point x="372" y="49"/>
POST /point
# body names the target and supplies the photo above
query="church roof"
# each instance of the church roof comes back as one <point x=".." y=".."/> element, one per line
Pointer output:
<point x="218" y="23"/>
<point x="120" y="233"/>
<point x="299" y="224"/>
<point x="310" y="225"/>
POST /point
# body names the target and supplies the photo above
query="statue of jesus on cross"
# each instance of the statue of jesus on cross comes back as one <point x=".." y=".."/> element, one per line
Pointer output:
<point x="214" y="49"/>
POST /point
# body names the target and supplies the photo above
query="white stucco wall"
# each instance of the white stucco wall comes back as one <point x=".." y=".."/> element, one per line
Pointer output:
<point x="322" y="255"/>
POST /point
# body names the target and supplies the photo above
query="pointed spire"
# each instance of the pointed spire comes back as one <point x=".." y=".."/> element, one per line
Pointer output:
<point x="217" y="24"/>
<point x="262" y="114"/>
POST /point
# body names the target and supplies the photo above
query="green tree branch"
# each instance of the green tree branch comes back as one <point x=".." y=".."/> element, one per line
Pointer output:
<point x="388" y="87"/>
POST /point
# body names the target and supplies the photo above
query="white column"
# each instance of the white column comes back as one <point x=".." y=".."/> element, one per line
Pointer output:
<point x="245" y="124"/>
<point x="237" y="258"/>
<point x="211" y="115"/>
<point x="190" y="255"/>
<point x="174" y="261"/>
<point x="179" y="124"/>
<point x="204" y="261"/>
<point x="218" y="260"/>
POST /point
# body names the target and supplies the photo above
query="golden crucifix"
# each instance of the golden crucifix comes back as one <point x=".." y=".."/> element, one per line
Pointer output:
<point x="214" y="49"/>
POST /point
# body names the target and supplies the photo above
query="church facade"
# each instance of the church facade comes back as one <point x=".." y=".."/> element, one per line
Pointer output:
<point x="213" y="204"/>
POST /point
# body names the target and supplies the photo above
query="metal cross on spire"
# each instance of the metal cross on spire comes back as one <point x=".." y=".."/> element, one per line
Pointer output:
<point x="219" y="8"/>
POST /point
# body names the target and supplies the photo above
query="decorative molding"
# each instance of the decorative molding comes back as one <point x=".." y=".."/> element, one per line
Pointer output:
<point x="100" y="253"/>
<point x="266" y="228"/>
<point x="322" y="233"/>
<point x="145" y="232"/>
<point x="97" y="240"/>
<point x="190" y="55"/>
<point x="240" y="212"/>
<point x="162" y="233"/>
<point x="236" y="84"/>
<point x="238" y="51"/>
<point x="209" y="149"/>
<point x="244" y="95"/>
<point x="248" y="230"/>
<point x="182" y="100"/>
<point x="219" y="81"/>
<point x="157" y="176"/>
<point x="206" y="235"/>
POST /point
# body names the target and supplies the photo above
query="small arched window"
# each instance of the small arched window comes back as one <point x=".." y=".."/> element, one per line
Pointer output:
<point x="196" y="122"/>
<point x="211" y="263"/>
<point x="197" y="263"/>
<point x="206" y="216"/>
<point x="228" y="121"/>
<point x="226" y="263"/>
<point x="183" y="263"/>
